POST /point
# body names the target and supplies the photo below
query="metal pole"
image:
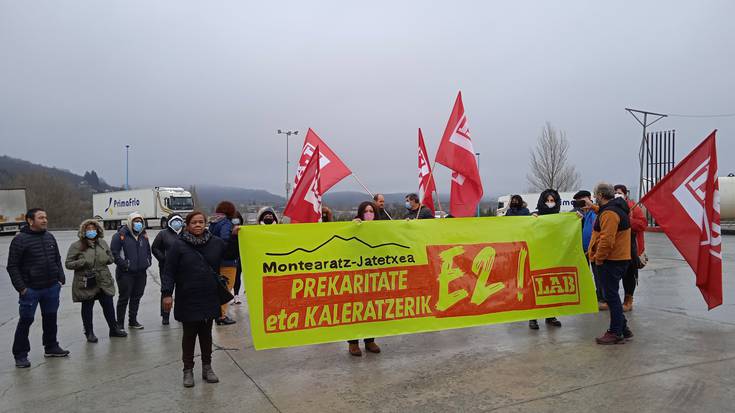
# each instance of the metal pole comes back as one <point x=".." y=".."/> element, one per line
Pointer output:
<point x="287" y="166"/>
<point x="478" y="172"/>
<point x="127" y="167"/>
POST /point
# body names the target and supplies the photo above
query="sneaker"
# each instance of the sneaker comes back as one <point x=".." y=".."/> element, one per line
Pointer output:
<point x="56" y="352"/>
<point x="609" y="338"/>
<point x="533" y="325"/>
<point x="225" y="321"/>
<point x="22" y="362"/>
<point x="135" y="325"/>
<point x="552" y="321"/>
<point x="627" y="334"/>
<point x="236" y="300"/>
<point x="118" y="333"/>
<point x="91" y="338"/>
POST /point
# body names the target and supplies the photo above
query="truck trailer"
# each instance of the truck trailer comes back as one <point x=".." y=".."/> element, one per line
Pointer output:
<point x="12" y="209"/>
<point x="154" y="204"/>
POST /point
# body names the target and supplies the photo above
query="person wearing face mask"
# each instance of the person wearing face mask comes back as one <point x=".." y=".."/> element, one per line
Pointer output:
<point x="267" y="216"/>
<point x="162" y="243"/>
<point x="132" y="253"/>
<point x="220" y="226"/>
<point x="638" y="225"/>
<point x="548" y="203"/>
<point x="238" y="220"/>
<point x="365" y="212"/>
<point x="415" y="209"/>
<point x="517" y="207"/>
<point x="89" y="258"/>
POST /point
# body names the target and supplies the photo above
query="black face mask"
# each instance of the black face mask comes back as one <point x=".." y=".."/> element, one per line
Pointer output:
<point x="515" y="205"/>
<point x="268" y="220"/>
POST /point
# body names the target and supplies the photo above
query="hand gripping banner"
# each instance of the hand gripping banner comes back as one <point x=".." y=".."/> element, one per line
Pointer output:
<point x="325" y="282"/>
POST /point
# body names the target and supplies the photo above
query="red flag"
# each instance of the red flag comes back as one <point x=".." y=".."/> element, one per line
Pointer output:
<point x="686" y="204"/>
<point x="427" y="187"/>
<point x="305" y="204"/>
<point x="457" y="153"/>
<point x="332" y="168"/>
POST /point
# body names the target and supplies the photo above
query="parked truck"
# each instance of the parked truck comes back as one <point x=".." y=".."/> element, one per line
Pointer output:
<point x="154" y="204"/>
<point x="12" y="209"/>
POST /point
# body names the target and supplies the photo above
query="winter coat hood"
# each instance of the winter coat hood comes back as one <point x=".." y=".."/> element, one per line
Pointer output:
<point x="100" y="230"/>
<point x="131" y="217"/>
<point x="264" y="210"/>
<point x="173" y="217"/>
<point x="541" y="207"/>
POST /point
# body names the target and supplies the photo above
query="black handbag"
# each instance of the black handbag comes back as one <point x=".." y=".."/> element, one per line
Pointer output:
<point x="223" y="293"/>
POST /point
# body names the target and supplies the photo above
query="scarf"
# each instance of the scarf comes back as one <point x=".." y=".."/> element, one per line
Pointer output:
<point x="190" y="238"/>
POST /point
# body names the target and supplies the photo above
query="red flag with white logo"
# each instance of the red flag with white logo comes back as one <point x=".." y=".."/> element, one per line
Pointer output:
<point x="305" y="204"/>
<point x="457" y="153"/>
<point x="332" y="169"/>
<point x="427" y="187"/>
<point x="686" y="204"/>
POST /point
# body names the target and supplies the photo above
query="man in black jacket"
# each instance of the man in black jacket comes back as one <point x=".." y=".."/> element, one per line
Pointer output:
<point x="415" y="209"/>
<point x="161" y="245"/>
<point x="34" y="265"/>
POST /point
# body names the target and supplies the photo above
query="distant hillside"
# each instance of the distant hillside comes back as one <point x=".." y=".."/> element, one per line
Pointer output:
<point x="210" y="195"/>
<point x="11" y="168"/>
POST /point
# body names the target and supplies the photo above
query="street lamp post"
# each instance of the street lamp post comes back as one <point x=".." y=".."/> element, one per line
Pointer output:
<point x="127" y="166"/>
<point x="478" y="171"/>
<point x="288" y="135"/>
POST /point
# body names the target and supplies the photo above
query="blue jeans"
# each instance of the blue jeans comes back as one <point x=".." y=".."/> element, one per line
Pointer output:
<point x="48" y="298"/>
<point x="610" y="274"/>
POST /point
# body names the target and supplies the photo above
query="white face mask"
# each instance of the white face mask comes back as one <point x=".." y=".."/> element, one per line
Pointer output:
<point x="619" y="196"/>
<point x="551" y="204"/>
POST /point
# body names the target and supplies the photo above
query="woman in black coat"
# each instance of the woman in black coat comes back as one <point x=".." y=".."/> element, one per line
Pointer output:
<point x="191" y="270"/>
<point x="548" y="203"/>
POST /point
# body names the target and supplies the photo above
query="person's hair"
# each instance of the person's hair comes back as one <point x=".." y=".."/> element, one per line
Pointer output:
<point x="516" y="198"/>
<point x="375" y="197"/>
<point x="84" y="245"/>
<point x="327" y="214"/>
<point x="413" y="197"/>
<point x="227" y="208"/>
<point x="363" y="206"/>
<point x="622" y="188"/>
<point x="582" y="194"/>
<point x="31" y="214"/>
<point x="190" y="216"/>
<point x="605" y="190"/>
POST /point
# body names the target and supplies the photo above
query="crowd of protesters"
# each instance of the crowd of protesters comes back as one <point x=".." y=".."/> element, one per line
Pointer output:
<point x="198" y="257"/>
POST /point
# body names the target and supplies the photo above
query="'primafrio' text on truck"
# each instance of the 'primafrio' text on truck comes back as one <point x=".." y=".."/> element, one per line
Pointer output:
<point x="155" y="204"/>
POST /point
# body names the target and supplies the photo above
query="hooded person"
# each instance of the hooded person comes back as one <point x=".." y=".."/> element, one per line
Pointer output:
<point x="517" y="207"/>
<point x="548" y="203"/>
<point x="89" y="258"/>
<point x="267" y="216"/>
<point x="163" y="243"/>
<point x="132" y="253"/>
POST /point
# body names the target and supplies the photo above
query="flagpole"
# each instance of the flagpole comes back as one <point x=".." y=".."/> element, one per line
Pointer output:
<point x="371" y="194"/>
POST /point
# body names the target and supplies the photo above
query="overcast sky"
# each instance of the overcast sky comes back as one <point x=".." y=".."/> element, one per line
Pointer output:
<point x="199" y="88"/>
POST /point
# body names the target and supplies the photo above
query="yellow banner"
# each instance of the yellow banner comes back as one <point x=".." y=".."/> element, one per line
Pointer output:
<point x="317" y="283"/>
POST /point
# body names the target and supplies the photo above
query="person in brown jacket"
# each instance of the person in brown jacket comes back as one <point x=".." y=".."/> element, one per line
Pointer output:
<point x="610" y="251"/>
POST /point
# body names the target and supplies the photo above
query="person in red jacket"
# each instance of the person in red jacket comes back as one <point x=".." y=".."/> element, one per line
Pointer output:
<point x="638" y="225"/>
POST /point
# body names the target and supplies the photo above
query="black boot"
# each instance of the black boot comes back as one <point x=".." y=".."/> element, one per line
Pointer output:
<point x="164" y="319"/>
<point x="91" y="338"/>
<point x="533" y="325"/>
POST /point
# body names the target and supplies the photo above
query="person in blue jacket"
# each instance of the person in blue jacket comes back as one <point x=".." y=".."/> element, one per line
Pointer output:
<point x="517" y="207"/>
<point x="132" y="253"/>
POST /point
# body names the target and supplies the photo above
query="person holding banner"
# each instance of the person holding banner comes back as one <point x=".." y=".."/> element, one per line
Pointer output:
<point x="548" y="203"/>
<point x="381" y="214"/>
<point x="610" y="250"/>
<point x="191" y="267"/>
<point x="365" y="212"/>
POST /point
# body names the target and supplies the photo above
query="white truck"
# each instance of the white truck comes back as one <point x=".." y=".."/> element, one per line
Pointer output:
<point x="155" y="204"/>
<point x="532" y="199"/>
<point x="12" y="209"/>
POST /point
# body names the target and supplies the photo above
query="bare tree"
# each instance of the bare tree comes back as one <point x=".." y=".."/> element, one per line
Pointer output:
<point x="66" y="204"/>
<point x="549" y="168"/>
